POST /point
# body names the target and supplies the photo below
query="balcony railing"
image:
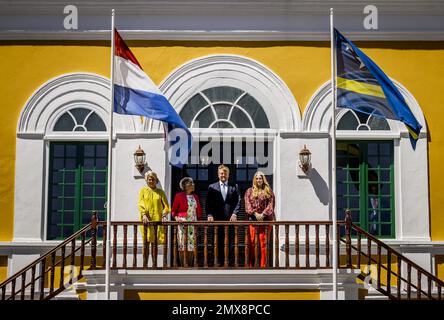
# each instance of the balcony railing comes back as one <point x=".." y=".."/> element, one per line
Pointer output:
<point x="288" y="245"/>
<point x="310" y="241"/>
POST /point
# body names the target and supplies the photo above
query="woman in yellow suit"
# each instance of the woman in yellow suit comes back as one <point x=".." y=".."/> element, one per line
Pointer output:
<point x="153" y="206"/>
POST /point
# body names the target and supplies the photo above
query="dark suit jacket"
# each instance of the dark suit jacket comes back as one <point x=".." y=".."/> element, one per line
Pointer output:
<point x="217" y="207"/>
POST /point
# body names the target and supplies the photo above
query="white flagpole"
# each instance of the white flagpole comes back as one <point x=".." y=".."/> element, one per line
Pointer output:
<point x="333" y="159"/>
<point x="110" y="165"/>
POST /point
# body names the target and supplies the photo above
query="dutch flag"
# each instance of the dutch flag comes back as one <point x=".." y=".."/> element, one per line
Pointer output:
<point x="136" y="94"/>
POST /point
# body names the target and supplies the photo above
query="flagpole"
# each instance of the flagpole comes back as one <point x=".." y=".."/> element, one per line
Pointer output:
<point x="333" y="159"/>
<point x="110" y="165"/>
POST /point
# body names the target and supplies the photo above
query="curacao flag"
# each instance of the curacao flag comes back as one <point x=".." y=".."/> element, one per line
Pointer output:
<point x="136" y="94"/>
<point x="364" y="87"/>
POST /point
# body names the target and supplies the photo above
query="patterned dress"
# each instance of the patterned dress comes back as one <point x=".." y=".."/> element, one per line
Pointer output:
<point x="191" y="216"/>
<point x="262" y="205"/>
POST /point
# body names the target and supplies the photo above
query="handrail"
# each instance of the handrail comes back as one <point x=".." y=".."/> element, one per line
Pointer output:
<point x="51" y="269"/>
<point x="384" y="267"/>
<point x="46" y="255"/>
<point x="209" y="223"/>
<point x="393" y="251"/>
<point x="400" y="258"/>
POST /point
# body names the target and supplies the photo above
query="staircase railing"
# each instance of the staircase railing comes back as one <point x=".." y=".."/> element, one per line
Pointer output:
<point x="388" y="271"/>
<point x="46" y="277"/>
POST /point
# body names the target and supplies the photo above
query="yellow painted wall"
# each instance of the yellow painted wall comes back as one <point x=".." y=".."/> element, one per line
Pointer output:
<point x="439" y="266"/>
<point x="67" y="269"/>
<point x="373" y="268"/>
<point x="3" y="268"/>
<point x="303" y="66"/>
<point x="82" y="294"/>
<point x="226" y="295"/>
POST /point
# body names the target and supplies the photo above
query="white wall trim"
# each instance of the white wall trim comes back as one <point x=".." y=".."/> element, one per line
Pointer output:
<point x="221" y="280"/>
<point x="79" y="136"/>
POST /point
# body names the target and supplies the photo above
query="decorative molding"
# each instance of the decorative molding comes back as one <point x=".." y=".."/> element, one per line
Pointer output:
<point x="217" y="35"/>
<point x="304" y="135"/>
<point x="30" y="135"/>
<point x="368" y="135"/>
<point x="140" y="135"/>
<point x="78" y="136"/>
<point x="49" y="101"/>
<point x="62" y="93"/>
<point x="218" y="134"/>
<point x="233" y="70"/>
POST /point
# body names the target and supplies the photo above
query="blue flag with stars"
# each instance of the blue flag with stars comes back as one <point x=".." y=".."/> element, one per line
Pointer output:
<point x="364" y="87"/>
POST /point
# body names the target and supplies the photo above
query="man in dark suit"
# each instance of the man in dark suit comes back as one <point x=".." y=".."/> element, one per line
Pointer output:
<point x="223" y="204"/>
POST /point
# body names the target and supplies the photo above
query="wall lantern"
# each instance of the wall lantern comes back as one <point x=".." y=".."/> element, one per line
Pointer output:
<point x="305" y="159"/>
<point x="139" y="159"/>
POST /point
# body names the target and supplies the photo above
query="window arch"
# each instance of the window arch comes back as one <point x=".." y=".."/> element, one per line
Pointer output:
<point x="317" y="114"/>
<point x="54" y="98"/>
<point x="238" y="72"/>
<point x="352" y="120"/>
<point x="224" y="107"/>
<point x="79" y="119"/>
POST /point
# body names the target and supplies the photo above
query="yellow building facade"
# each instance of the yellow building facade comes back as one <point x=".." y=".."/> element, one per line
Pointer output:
<point x="304" y="66"/>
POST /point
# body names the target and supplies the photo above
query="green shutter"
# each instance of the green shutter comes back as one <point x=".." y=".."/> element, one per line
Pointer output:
<point x="77" y="186"/>
<point x="365" y="184"/>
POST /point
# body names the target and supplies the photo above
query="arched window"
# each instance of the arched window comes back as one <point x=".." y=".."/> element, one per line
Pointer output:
<point x="67" y="115"/>
<point x="365" y="174"/>
<point x="224" y="107"/>
<point x="80" y="119"/>
<point x="77" y="179"/>
<point x="352" y="120"/>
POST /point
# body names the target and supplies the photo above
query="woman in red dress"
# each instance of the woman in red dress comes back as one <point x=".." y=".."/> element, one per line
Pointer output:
<point x="186" y="208"/>
<point x="259" y="206"/>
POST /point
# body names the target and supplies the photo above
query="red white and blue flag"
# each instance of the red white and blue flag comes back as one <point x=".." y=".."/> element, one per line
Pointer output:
<point x="136" y="94"/>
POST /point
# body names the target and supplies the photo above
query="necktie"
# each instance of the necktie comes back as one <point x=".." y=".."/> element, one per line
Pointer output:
<point x="224" y="190"/>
